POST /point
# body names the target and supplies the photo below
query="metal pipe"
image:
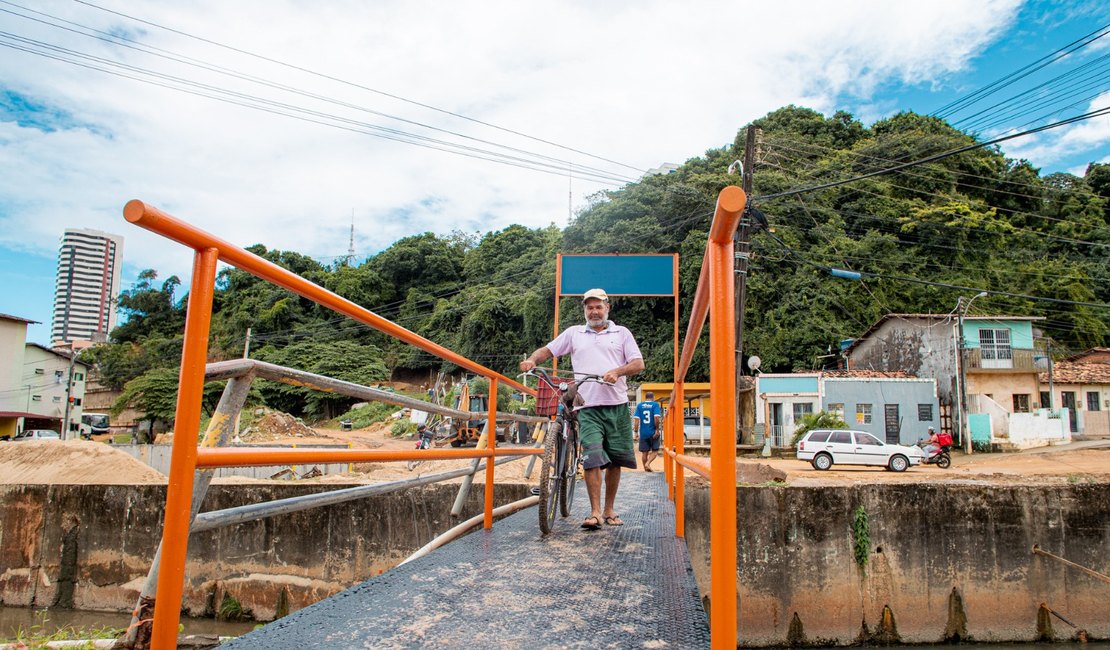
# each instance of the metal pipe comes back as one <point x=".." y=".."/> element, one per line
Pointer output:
<point x="251" y="512"/>
<point x="722" y="377"/>
<point x="457" y="531"/>
<point x="1037" y="550"/>
<point x="153" y="219"/>
<point x="464" y="489"/>
<point x="293" y="377"/>
<point x="696" y="464"/>
<point x="218" y="433"/>
<point x="679" y="393"/>
<point x="491" y="441"/>
<point x="537" y="434"/>
<point x="247" y="457"/>
<point x="175" y="531"/>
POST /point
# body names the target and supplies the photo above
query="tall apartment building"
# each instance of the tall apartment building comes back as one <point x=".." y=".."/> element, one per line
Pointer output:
<point x="89" y="263"/>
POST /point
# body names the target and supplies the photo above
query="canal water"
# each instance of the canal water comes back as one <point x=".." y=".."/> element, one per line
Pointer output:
<point x="46" y="621"/>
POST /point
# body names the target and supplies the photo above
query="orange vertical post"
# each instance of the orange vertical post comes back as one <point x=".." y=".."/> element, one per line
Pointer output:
<point x="678" y="398"/>
<point x="558" y="294"/>
<point x="676" y="416"/>
<point x="722" y="377"/>
<point x="179" y="496"/>
<point x="491" y="444"/>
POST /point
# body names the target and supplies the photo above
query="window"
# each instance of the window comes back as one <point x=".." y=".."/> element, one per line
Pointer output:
<point x="58" y="375"/>
<point x="863" y="414"/>
<point x="78" y="376"/>
<point x="1092" y="400"/>
<point x="1044" y="399"/>
<point x="40" y="371"/>
<point x="836" y="409"/>
<point x="36" y="398"/>
<point x="994" y="348"/>
<point x="1021" y="403"/>
<point x="57" y="398"/>
<point x="924" y="412"/>
<point x="867" y="439"/>
<point x="819" y="436"/>
<point x="77" y="401"/>
<point x="802" y="410"/>
<point x="844" y="437"/>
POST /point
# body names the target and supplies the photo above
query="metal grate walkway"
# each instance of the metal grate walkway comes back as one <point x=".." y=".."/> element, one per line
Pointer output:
<point x="619" y="587"/>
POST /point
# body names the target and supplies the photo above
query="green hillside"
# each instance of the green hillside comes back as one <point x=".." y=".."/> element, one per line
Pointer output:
<point x="976" y="220"/>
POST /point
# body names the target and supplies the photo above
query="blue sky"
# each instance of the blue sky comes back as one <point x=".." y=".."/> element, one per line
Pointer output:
<point x="602" y="90"/>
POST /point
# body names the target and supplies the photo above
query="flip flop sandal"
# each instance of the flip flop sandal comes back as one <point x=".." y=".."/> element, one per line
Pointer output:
<point x="591" y="523"/>
<point x="615" y="520"/>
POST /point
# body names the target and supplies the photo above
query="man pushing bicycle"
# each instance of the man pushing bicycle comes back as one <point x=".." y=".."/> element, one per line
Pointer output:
<point x="605" y="430"/>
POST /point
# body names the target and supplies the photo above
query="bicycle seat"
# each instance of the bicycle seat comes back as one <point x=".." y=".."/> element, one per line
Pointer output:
<point x="571" y="398"/>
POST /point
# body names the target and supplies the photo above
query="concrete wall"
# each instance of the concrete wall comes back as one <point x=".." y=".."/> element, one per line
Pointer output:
<point x="89" y="547"/>
<point x="158" y="457"/>
<point x="946" y="560"/>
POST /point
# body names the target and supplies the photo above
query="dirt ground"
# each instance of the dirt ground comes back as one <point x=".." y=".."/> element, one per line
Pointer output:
<point x="84" y="462"/>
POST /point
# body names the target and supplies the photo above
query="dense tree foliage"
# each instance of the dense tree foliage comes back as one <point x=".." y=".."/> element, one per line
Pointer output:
<point x="975" y="219"/>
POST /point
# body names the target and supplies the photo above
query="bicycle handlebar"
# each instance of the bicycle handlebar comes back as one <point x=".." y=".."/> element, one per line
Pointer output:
<point x="580" y="377"/>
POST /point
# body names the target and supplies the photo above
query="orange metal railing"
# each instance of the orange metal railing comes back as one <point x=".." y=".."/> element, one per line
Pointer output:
<point x="715" y="296"/>
<point x="185" y="456"/>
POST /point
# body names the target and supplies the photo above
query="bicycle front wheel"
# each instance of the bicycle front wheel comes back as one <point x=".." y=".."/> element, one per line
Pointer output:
<point x="570" y="469"/>
<point x="550" y="480"/>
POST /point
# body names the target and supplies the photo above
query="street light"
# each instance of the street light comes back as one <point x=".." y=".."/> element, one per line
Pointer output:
<point x="961" y="369"/>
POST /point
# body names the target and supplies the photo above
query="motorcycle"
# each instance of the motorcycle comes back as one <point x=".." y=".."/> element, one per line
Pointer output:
<point x="423" y="442"/>
<point x="941" y="458"/>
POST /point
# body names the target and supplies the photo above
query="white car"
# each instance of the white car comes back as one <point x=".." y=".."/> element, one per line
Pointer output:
<point x="38" y="434"/>
<point x="825" y="447"/>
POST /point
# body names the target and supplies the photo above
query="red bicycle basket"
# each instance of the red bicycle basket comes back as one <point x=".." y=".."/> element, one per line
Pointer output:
<point x="547" y="400"/>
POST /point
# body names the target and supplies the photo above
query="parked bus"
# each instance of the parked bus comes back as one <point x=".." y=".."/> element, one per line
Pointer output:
<point x="93" y="424"/>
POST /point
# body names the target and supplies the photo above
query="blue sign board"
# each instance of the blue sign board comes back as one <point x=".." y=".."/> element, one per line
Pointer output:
<point x="618" y="275"/>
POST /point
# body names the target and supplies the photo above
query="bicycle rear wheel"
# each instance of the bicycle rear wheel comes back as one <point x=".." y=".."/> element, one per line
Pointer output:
<point x="570" y="469"/>
<point x="550" y="480"/>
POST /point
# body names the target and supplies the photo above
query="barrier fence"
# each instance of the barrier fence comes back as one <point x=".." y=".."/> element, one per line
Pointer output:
<point x="714" y="299"/>
<point x="187" y="458"/>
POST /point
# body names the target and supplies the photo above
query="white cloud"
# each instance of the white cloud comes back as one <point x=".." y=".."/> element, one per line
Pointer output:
<point x="639" y="83"/>
<point x="1063" y="142"/>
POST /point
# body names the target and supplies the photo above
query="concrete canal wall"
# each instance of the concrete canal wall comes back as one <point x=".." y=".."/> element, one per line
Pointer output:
<point x="944" y="561"/>
<point x="934" y="562"/>
<point x="89" y="547"/>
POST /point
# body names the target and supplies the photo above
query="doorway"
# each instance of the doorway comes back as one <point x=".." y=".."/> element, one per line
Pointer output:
<point x="1067" y="400"/>
<point x="892" y="422"/>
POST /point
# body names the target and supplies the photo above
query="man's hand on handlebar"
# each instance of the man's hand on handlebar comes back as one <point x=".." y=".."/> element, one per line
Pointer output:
<point x="611" y="377"/>
<point x="527" y="365"/>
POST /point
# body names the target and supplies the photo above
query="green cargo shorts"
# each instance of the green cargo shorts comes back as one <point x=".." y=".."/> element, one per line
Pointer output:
<point x="606" y="436"/>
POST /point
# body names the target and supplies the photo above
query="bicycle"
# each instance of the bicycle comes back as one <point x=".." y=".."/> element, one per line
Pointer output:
<point x="562" y="454"/>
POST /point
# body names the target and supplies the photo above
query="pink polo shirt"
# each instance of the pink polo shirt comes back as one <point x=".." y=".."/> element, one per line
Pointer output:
<point x="597" y="353"/>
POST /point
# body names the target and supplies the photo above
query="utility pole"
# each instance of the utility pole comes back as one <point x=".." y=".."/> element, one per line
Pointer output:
<point x="73" y="352"/>
<point x="743" y="254"/>
<point x="247" y="344"/>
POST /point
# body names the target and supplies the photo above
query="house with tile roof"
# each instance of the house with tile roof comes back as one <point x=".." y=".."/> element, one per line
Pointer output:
<point x="1082" y="385"/>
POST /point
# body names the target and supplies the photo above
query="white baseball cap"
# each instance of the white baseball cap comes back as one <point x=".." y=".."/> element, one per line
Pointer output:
<point x="595" y="293"/>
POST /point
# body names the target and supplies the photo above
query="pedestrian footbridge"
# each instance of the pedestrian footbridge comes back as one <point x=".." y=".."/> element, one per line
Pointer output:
<point x="628" y="586"/>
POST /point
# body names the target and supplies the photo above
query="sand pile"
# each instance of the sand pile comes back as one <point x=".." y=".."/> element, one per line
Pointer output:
<point x="275" y="425"/>
<point x="75" y="462"/>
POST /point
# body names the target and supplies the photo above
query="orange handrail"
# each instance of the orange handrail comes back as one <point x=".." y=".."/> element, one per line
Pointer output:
<point x="715" y="297"/>
<point x="155" y="220"/>
<point x="185" y="456"/>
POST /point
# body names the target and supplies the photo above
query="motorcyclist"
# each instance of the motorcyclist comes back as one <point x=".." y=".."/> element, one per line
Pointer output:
<point x="932" y="444"/>
<point x="425" y="435"/>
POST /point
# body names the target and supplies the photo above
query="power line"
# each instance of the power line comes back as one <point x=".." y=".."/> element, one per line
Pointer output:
<point x="352" y="84"/>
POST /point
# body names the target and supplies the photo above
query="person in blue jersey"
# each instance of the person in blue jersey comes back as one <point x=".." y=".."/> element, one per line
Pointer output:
<point x="647" y="424"/>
